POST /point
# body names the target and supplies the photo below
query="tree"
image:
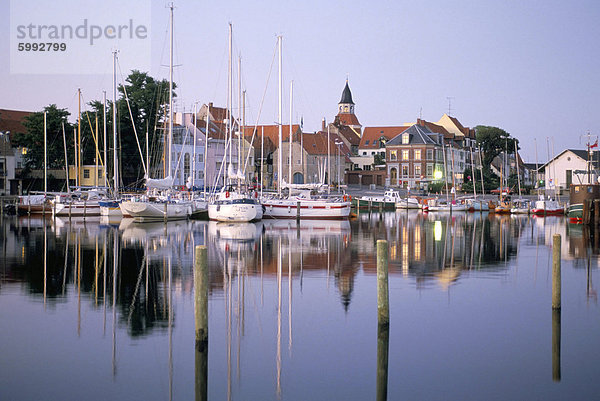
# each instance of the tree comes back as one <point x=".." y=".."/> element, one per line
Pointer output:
<point x="148" y="100"/>
<point x="493" y="141"/>
<point x="33" y="138"/>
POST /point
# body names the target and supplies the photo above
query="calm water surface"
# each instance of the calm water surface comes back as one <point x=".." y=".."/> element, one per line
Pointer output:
<point x="105" y="310"/>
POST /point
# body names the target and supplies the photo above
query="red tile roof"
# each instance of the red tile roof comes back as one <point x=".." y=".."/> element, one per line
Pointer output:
<point x="371" y="135"/>
<point x="271" y="132"/>
<point x="346" y="119"/>
<point x="438" y="129"/>
<point x="12" y="120"/>
<point x="316" y="144"/>
<point x="351" y="135"/>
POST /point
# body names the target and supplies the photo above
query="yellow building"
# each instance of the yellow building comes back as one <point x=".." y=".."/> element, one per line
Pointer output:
<point x="90" y="176"/>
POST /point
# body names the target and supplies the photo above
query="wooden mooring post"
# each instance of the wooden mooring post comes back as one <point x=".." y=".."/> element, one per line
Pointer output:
<point x="383" y="319"/>
<point x="556" y="271"/>
<point x="383" y="312"/>
<point x="201" y="319"/>
<point x="556" y="329"/>
<point x="596" y="211"/>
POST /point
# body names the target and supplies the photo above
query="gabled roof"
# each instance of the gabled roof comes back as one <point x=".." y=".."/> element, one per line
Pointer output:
<point x="346" y="95"/>
<point x="418" y="135"/>
<point x="271" y="132"/>
<point x="436" y="128"/>
<point x="581" y="153"/>
<point x="348" y="119"/>
<point x="352" y="135"/>
<point x="371" y="135"/>
<point x="12" y="120"/>
<point x="315" y="144"/>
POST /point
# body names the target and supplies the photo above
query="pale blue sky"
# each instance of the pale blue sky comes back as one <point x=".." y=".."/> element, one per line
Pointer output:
<point x="530" y="67"/>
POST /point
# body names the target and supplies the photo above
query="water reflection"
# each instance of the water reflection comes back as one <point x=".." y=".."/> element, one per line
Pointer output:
<point x="140" y="273"/>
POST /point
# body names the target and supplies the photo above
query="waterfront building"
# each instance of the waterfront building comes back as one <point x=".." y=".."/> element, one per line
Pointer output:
<point x="571" y="166"/>
<point x="414" y="158"/>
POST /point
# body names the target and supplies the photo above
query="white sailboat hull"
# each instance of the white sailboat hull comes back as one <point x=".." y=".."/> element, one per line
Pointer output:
<point x="238" y="212"/>
<point x="306" y="209"/>
<point x="76" y="208"/>
<point x="155" y="211"/>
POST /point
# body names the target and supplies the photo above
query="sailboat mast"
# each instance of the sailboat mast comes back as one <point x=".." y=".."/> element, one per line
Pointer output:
<point x="104" y="132"/>
<point x="115" y="164"/>
<point x="481" y="172"/>
<point x="206" y="146"/>
<point x="473" y="172"/>
<point x="79" y="153"/>
<point x="445" y="167"/>
<point x="170" y="139"/>
<point x="518" y="170"/>
<point x="194" y="151"/>
<point x="291" y="138"/>
<point x="279" y="159"/>
<point x="45" y="157"/>
<point x="328" y="163"/>
<point x="66" y="157"/>
<point x="229" y="97"/>
<point x="537" y="172"/>
<point x="239" y="163"/>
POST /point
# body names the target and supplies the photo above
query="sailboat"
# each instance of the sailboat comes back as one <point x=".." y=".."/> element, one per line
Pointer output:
<point x="504" y="202"/>
<point x="520" y="206"/>
<point x="233" y="202"/>
<point x="300" y="203"/>
<point x="543" y="206"/>
<point x="160" y="203"/>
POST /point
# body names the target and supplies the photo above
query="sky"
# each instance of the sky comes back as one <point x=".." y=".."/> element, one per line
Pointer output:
<point x="529" y="67"/>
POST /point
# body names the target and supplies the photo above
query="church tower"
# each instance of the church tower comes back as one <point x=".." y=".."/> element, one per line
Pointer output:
<point x="346" y="105"/>
<point x="346" y="114"/>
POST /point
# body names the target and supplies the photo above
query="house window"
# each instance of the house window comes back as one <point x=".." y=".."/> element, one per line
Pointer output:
<point x="366" y="143"/>
<point x="429" y="170"/>
<point x="429" y="154"/>
<point x="393" y="155"/>
<point x="405" y="154"/>
<point x="200" y="175"/>
<point x="417" y="154"/>
<point x="99" y="173"/>
<point x="364" y="153"/>
<point x="405" y="139"/>
<point x="417" y="170"/>
<point x="405" y="170"/>
<point x="201" y="158"/>
<point x="187" y="168"/>
<point x="86" y="173"/>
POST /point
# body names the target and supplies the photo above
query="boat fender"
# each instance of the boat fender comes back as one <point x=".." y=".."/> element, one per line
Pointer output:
<point x="345" y="198"/>
<point x="227" y="194"/>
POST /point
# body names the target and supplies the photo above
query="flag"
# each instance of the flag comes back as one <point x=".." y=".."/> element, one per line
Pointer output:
<point x="595" y="145"/>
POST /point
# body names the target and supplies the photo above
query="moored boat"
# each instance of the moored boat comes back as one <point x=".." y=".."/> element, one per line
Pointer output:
<point x="578" y="194"/>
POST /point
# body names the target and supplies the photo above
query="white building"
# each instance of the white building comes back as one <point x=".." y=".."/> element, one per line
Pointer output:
<point x="571" y="166"/>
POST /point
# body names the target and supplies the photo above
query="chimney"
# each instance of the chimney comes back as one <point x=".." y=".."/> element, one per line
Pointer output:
<point x="323" y="126"/>
<point x="420" y="122"/>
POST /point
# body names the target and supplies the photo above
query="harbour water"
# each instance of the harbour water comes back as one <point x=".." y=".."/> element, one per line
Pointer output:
<point x="100" y="310"/>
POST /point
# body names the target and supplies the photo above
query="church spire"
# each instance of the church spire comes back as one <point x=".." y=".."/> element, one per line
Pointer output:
<point x="346" y="105"/>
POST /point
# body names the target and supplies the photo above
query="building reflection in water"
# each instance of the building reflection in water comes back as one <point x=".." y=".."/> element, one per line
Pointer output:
<point x="135" y="269"/>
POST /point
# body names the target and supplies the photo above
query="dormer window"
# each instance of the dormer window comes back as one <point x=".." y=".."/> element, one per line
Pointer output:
<point x="405" y="139"/>
<point x="366" y="143"/>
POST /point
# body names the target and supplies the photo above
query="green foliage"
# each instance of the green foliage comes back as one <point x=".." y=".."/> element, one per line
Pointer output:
<point x="378" y="159"/>
<point x="436" y="187"/>
<point x="493" y="141"/>
<point x="148" y="99"/>
<point x="33" y="138"/>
